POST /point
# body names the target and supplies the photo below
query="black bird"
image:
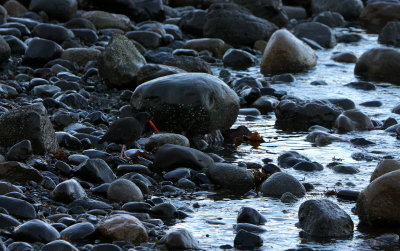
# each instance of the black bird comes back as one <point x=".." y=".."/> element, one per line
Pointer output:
<point x="127" y="130"/>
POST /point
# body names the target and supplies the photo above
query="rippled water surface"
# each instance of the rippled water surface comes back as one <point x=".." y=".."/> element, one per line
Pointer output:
<point x="281" y="230"/>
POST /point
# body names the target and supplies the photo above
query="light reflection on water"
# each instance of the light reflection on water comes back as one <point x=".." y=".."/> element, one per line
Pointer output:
<point x="281" y="230"/>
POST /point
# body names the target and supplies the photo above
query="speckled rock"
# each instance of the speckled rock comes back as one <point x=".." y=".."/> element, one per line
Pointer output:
<point x="123" y="227"/>
<point x="194" y="103"/>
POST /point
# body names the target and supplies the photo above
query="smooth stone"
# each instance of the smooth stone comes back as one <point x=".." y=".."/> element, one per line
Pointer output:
<point x="250" y="215"/>
<point x="19" y="172"/>
<point x="179" y="240"/>
<point x="384" y="167"/>
<point x="59" y="245"/>
<point x="123" y="190"/>
<point x="20" y="151"/>
<point x="61" y="10"/>
<point x="68" y="191"/>
<point x="245" y="240"/>
<point x="157" y="140"/>
<point x="36" y="231"/>
<point x="79" y="231"/>
<point x="123" y="227"/>
<point x="231" y="177"/>
<point x="95" y="170"/>
<point x="40" y="51"/>
<point x="279" y="183"/>
<point x="345" y="169"/>
<point x="345" y="57"/>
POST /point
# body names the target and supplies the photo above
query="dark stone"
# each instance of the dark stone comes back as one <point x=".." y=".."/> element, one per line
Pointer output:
<point x="308" y="166"/>
<point x="59" y="245"/>
<point x="345" y="169"/>
<point x="56" y="33"/>
<point x="41" y="51"/>
<point x="250" y="215"/>
<point x="323" y="218"/>
<point x="245" y="240"/>
<point x="36" y="231"/>
<point x="390" y="34"/>
<point x="20" y="151"/>
<point x="317" y="32"/>
<point x="16" y="171"/>
<point x="79" y="231"/>
<point x="68" y="191"/>
<point x="189" y="64"/>
<point x="235" y="25"/>
<point x="361" y="85"/>
<point x="61" y="10"/>
<point x="95" y="170"/>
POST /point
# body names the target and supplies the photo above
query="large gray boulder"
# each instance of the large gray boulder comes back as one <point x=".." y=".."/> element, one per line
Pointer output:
<point x="28" y="123"/>
<point x="56" y="9"/>
<point x="231" y="177"/>
<point x="379" y="64"/>
<point x="120" y="62"/>
<point x="236" y="25"/>
<point x="350" y="9"/>
<point x="299" y="115"/>
<point x="323" y="218"/>
<point x="285" y="53"/>
<point x="195" y="103"/>
<point x="279" y="183"/>
<point x="353" y="120"/>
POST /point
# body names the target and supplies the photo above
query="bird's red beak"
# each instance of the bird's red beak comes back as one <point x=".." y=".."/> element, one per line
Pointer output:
<point x="153" y="126"/>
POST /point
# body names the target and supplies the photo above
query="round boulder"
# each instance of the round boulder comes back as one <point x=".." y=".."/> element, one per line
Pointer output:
<point x="123" y="190"/>
<point x="351" y="120"/>
<point x="279" y="183"/>
<point x="379" y="64"/>
<point x="195" y="103"/>
<point x="68" y="191"/>
<point x="285" y="53"/>
<point x="231" y="177"/>
<point x="390" y="34"/>
<point x="123" y="227"/>
<point x="318" y="32"/>
<point x="378" y="203"/>
<point x="384" y="167"/>
<point x="323" y="218"/>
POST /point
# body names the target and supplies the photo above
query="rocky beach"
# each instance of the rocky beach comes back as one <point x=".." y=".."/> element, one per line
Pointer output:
<point x="199" y="125"/>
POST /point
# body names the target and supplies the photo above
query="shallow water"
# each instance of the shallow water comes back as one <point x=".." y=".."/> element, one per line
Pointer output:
<point x="281" y="230"/>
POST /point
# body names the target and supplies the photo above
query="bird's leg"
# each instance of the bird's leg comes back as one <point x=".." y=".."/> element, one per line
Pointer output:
<point x="122" y="155"/>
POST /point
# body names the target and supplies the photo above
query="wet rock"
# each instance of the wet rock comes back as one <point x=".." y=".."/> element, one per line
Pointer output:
<point x="288" y="197"/>
<point x="322" y="138"/>
<point x="379" y="64"/>
<point x="79" y="23"/>
<point x="323" y="218"/>
<point x="20" y="151"/>
<point x="250" y="215"/>
<point x="279" y="183"/>
<point x="291" y="158"/>
<point x="152" y="71"/>
<point x="106" y="247"/>
<point x="6" y="187"/>
<point x="168" y="157"/>
<point x="95" y="170"/>
<point x="40" y="51"/>
<point x="81" y="56"/>
<point x="36" y="231"/>
<point x="74" y="100"/>
<point x="120" y="62"/>
<point x="189" y="64"/>
<point x="61" y="10"/>
<point x="214" y="45"/>
<point x="137" y="207"/>
<point x="16" y="45"/>
<point x="105" y="20"/>
<point x="177" y="174"/>
<point x="361" y="85"/>
<point x="188" y="99"/>
<point x="295" y="12"/>
<point x="148" y="39"/>
<point x="372" y="103"/>
<point x="249" y="227"/>
<point x="385" y="241"/>
<point x="79" y="231"/>
<point x="353" y="120"/>
<point x="376" y="15"/>
<point x="384" y="167"/>
<point x="349" y="9"/>
<point x="179" y="240"/>
<point x="331" y="19"/>
<point x="278" y="58"/>
<point x="18" y="246"/>
<point x="390" y="34"/>
<point x="299" y="115"/>
<point x="345" y="57"/>
<point x="345" y="169"/>
<point x="68" y="191"/>
<point x="164" y="210"/>
<point x="361" y="142"/>
<point x="53" y="32"/>
<point x="235" y="25"/>
<point x="18" y="208"/>
<point x="245" y="240"/>
<point x="317" y="32"/>
<point x="5" y="50"/>
<point x="59" y="245"/>
<point x="231" y="177"/>
<point x="123" y="190"/>
<point x="46" y="91"/>
<point x="89" y="204"/>
<point x="272" y="11"/>
<point x="308" y="166"/>
<point x="238" y="59"/>
<point x="377" y="203"/>
<point x="19" y="172"/>
<point x="123" y="227"/>
<point x="160" y="139"/>
<point x="348" y="195"/>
